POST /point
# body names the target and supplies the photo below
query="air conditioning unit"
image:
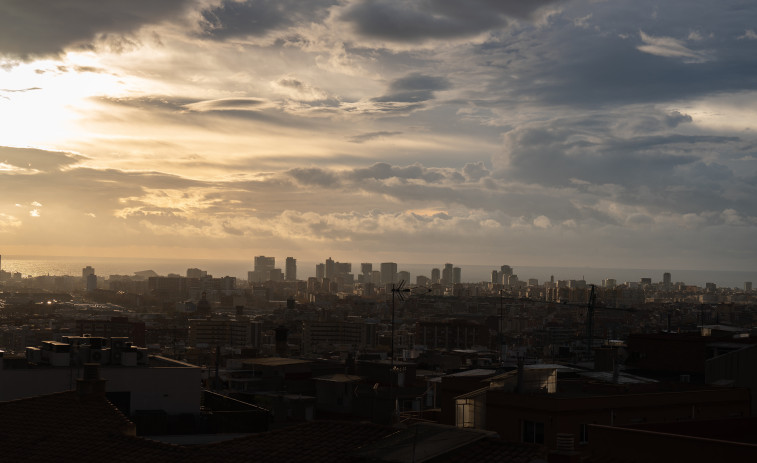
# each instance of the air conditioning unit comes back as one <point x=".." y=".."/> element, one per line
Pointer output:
<point x="142" y="356"/>
<point x="101" y="356"/>
<point x="33" y="355"/>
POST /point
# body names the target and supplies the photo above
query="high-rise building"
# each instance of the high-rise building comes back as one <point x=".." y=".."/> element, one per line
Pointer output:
<point x="403" y="276"/>
<point x="330" y="268"/>
<point x="495" y="277"/>
<point x="87" y="271"/>
<point x="91" y="282"/>
<point x="291" y="269"/>
<point x="747" y="286"/>
<point x="388" y="273"/>
<point x="264" y="264"/>
<point x="457" y="274"/>
<point x="196" y="273"/>
<point x="666" y="280"/>
<point x="366" y="268"/>
<point x="447" y="274"/>
<point x="436" y="276"/>
<point x="320" y="271"/>
<point x="506" y="270"/>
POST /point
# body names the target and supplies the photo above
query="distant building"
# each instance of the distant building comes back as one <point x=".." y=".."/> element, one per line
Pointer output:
<point x="366" y="268"/>
<point x="91" y="282"/>
<point x="87" y="271"/>
<point x="436" y="276"/>
<point x="263" y="266"/>
<point x="388" y="273"/>
<point x="233" y="333"/>
<point x="291" y="269"/>
<point x="196" y="273"/>
<point x="403" y="276"/>
<point x="447" y="274"/>
<point x="457" y="275"/>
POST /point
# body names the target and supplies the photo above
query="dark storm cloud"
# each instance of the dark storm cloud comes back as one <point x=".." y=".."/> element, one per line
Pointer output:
<point x="628" y="53"/>
<point x="41" y="28"/>
<point x="413" y="88"/>
<point x="233" y="19"/>
<point x="661" y="171"/>
<point x="411" y="20"/>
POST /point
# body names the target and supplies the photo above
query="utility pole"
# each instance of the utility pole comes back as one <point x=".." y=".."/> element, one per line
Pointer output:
<point x="499" y="328"/>
<point x="590" y="322"/>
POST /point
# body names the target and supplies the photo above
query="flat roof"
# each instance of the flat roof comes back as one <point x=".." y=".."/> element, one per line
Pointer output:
<point x="339" y="378"/>
<point x="474" y="372"/>
<point x="274" y="361"/>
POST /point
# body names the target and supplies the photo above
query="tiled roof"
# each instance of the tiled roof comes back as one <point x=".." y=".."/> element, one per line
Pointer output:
<point x="317" y="441"/>
<point x="66" y="427"/>
<point x="495" y="450"/>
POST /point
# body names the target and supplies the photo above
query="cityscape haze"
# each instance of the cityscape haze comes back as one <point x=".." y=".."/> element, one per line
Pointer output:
<point x="378" y="230"/>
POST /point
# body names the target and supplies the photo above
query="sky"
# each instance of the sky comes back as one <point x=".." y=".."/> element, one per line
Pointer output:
<point x="546" y="133"/>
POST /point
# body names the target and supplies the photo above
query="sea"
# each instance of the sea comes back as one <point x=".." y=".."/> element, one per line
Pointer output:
<point x="106" y="266"/>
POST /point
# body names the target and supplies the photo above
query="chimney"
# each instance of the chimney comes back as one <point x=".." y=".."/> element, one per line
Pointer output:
<point x="90" y="384"/>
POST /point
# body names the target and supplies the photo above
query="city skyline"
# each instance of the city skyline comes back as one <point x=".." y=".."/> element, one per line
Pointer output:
<point x="558" y="133"/>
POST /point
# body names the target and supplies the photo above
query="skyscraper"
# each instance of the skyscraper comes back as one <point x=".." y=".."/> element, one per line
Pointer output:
<point x="330" y="270"/>
<point x="264" y="264"/>
<point x="366" y="268"/>
<point x="291" y="269"/>
<point x="456" y="275"/>
<point x="435" y="276"/>
<point x="447" y="274"/>
<point x="262" y="269"/>
<point x="388" y="273"/>
<point x="87" y="271"/>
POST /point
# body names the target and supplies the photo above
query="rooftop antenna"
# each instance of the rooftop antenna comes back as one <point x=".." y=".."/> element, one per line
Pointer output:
<point x="397" y="292"/>
<point x="590" y="321"/>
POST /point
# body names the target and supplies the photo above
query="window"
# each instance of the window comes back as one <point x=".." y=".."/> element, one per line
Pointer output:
<point x="533" y="432"/>
<point x="471" y="413"/>
<point x="465" y="413"/>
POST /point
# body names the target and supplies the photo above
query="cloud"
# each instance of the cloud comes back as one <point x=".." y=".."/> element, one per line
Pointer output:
<point x="414" y="88"/>
<point x="365" y="137"/>
<point x="8" y="223"/>
<point x="409" y="21"/>
<point x="31" y="28"/>
<point x="28" y="160"/>
<point x="669" y="47"/>
<point x="229" y="104"/>
<point x="238" y="19"/>
<point x="749" y="34"/>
